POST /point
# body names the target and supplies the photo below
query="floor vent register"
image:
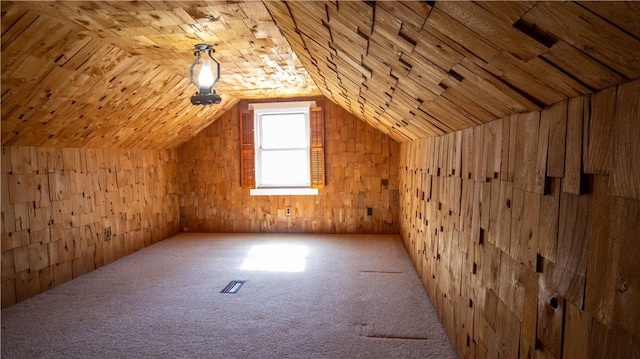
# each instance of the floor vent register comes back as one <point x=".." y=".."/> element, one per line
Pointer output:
<point x="233" y="286"/>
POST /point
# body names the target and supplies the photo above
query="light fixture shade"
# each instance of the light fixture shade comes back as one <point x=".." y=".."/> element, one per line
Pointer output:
<point x="206" y="76"/>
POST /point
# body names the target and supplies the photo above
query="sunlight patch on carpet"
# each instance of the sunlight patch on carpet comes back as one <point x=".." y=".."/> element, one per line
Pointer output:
<point x="278" y="257"/>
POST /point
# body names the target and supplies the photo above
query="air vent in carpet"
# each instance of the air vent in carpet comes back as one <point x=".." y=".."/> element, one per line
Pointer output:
<point x="233" y="286"/>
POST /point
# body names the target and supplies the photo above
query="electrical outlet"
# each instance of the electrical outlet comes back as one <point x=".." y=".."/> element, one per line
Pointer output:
<point x="369" y="211"/>
<point x="287" y="211"/>
<point x="107" y="234"/>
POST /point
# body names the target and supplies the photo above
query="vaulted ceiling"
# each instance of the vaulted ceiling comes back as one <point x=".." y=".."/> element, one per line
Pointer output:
<point x="114" y="74"/>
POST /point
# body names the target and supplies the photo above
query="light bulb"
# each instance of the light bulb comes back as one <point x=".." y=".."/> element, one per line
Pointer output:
<point x="205" y="77"/>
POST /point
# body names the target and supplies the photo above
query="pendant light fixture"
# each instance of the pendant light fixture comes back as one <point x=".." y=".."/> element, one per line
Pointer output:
<point x="206" y="76"/>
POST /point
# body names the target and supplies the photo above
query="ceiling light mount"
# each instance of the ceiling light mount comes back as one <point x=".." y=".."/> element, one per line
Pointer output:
<point x="206" y="78"/>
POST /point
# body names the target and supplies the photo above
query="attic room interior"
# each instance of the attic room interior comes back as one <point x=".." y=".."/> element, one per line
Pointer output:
<point x="492" y="146"/>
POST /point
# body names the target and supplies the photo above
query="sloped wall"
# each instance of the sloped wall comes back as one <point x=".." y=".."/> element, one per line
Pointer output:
<point x="525" y="230"/>
<point x="361" y="171"/>
<point x="66" y="212"/>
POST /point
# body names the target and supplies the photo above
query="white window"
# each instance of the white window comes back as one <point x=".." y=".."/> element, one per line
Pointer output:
<point x="282" y="148"/>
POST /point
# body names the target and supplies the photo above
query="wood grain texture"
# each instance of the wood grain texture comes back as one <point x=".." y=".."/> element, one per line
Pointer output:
<point x="456" y="64"/>
<point x="115" y="74"/>
<point x="603" y="251"/>
<point x="55" y="231"/>
<point x="598" y="136"/>
<point x="528" y="126"/>
<point x="112" y="75"/>
<point x="576" y="333"/>
<point x="624" y="14"/>
<point x="570" y="59"/>
<point x="571" y="265"/>
<point x="590" y="33"/>
<point x="577" y="111"/>
<point x="626" y="148"/>
<point x="547" y="269"/>
<point x="625" y="217"/>
<point x="556" y="115"/>
<point x="549" y="218"/>
<point x="361" y="172"/>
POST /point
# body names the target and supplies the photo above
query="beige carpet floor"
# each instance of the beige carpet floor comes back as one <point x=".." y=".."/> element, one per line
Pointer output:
<point x="305" y="296"/>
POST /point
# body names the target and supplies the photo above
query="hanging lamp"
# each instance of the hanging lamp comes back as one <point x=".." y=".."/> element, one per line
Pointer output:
<point x="206" y="77"/>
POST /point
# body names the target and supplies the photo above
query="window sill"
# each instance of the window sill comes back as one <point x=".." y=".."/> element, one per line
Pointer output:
<point x="284" y="191"/>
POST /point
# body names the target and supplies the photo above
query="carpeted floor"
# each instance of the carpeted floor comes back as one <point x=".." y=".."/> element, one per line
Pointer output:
<point x="305" y="296"/>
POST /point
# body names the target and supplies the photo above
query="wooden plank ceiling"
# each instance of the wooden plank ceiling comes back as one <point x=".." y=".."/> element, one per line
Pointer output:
<point x="418" y="69"/>
<point x="114" y="74"/>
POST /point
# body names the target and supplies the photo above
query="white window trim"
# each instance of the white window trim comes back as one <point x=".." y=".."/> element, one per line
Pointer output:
<point x="293" y="106"/>
<point x="283" y="191"/>
<point x="278" y="107"/>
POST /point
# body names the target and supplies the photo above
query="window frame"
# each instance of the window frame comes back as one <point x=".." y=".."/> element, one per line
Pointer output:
<point x="261" y="111"/>
<point x="271" y="108"/>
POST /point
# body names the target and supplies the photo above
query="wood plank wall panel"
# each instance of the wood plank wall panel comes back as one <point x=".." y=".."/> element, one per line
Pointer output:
<point x="515" y="271"/>
<point x="58" y="203"/>
<point x="361" y="172"/>
<point x="419" y="69"/>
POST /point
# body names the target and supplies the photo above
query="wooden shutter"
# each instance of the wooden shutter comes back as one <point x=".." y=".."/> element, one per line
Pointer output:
<point x="247" y="152"/>
<point x="316" y="124"/>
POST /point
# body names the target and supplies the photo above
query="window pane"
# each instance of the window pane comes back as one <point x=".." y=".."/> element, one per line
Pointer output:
<point x="284" y="130"/>
<point x="285" y="168"/>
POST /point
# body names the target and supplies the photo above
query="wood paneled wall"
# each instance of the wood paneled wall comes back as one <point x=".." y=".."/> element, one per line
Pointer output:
<point x="361" y="172"/>
<point x="525" y="230"/>
<point x="66" y="212"/>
